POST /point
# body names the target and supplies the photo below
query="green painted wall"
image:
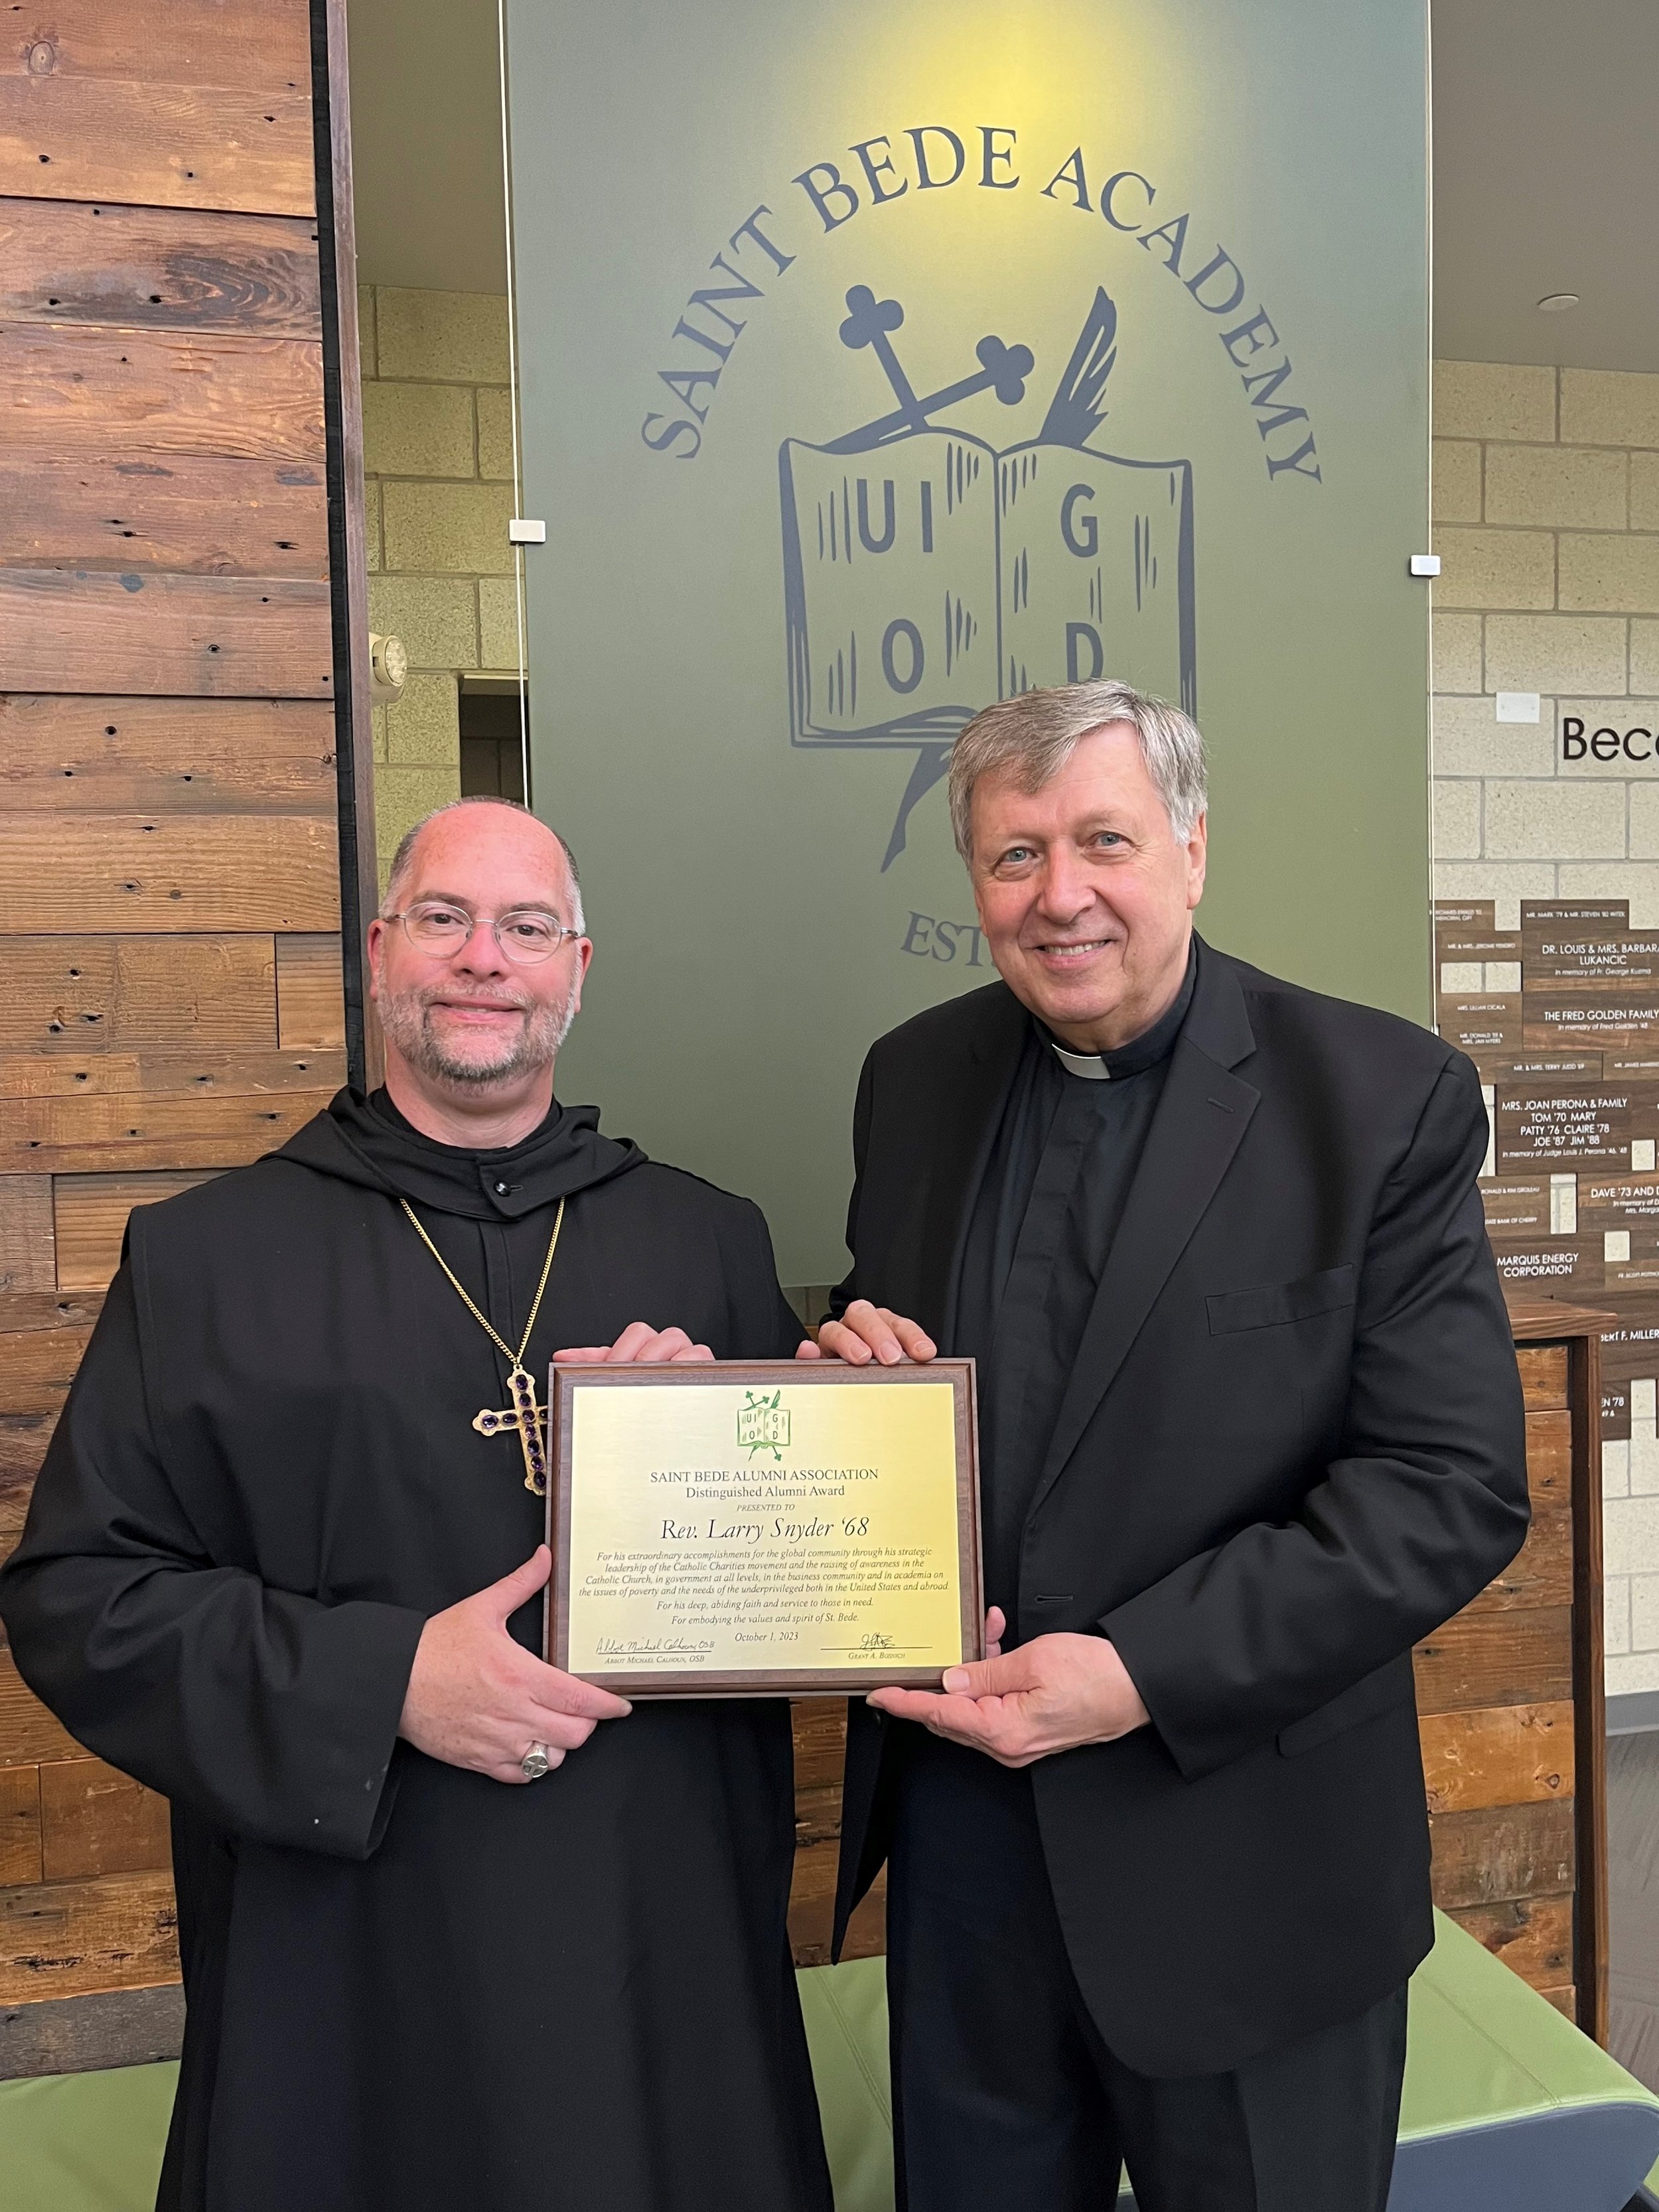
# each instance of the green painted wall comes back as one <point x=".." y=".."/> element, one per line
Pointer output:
<point x="695" y="728"/>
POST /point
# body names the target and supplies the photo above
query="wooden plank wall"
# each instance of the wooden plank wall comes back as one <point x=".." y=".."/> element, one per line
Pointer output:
<point x="1495" y="1704"/>
<point x="169" y="861"/>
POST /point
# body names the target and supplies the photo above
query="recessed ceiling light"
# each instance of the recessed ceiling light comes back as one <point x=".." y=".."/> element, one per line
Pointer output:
<point x="1557" y="303"/>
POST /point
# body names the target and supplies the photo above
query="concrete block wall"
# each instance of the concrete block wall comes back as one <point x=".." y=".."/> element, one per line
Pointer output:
<point x="438" y="468"/>
<point x="1547" y="522"/>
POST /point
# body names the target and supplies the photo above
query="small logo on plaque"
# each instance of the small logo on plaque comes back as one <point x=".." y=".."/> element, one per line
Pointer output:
<point x="762" y="1424"/>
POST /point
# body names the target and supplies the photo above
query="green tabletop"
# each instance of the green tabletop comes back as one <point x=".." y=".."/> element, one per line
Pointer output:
<point x="1500" y="2092"/>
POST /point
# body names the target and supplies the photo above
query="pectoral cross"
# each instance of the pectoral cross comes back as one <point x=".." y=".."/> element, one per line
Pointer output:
<point x="529" y="1420"/>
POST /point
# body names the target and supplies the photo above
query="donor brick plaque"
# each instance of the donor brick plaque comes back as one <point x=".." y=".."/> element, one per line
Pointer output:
<point x="1561" y="1018"/>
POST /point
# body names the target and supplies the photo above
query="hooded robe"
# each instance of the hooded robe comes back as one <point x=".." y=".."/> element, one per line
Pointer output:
<point x="409" y="1986"/>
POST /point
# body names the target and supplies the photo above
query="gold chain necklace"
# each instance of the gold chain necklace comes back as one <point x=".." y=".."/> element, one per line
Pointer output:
<point x="524" y="1414"/>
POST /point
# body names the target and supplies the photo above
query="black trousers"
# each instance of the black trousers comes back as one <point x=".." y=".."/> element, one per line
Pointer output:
<point x="1004" y="2094"/>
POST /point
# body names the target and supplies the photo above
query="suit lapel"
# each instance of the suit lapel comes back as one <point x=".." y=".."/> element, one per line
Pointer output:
<point x="1199" y="1126"/>
<point x="959" y="1145"/>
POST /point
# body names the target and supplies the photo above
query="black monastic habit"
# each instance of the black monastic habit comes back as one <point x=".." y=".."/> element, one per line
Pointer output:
<point x="411" y="1988"/>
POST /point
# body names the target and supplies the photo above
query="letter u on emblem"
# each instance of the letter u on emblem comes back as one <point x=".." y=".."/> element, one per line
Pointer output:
<point x="876" y="544"/>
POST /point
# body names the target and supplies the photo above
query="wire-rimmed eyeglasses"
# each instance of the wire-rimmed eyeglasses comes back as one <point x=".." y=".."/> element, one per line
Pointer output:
<point x="525" y="934"/>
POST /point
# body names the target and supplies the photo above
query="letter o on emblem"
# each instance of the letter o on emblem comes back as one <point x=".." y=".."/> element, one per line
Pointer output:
<point x="912" y="636"/>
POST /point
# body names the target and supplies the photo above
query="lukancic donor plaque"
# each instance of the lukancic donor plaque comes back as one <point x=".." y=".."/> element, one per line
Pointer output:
<point x="742" y="1528"/>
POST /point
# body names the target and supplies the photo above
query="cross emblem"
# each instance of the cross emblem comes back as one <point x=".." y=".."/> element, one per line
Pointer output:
<point x="528" y="1420"/>
<point x="871" y="322"/>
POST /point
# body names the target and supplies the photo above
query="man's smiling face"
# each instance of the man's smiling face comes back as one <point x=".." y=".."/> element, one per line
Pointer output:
<point x="470" y="1019"/>
<point x="1086" y="893"/>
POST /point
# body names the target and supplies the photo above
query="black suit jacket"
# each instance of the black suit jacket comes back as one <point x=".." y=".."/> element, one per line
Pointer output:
<point x="1292" y="1446"/>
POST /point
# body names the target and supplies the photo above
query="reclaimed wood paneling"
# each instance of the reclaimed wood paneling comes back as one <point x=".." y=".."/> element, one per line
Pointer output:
<point x="36" y="1309"/>
<point x="813" y="1910"/>
<point x="27" y="1259"/>
<point x="170" y="792"/>
<point x="199" y="1075"/>
<point x="145" y="268"/>
<point x="83" y="2034"/>
<point x="82" y="994"/>
<point x="95" y="1820"/>
<point x="160" y="145"/>
<point x="91" y="1220"/>
<point x="1507" y="1755"/>
<point x="62" y="1938"/>
<point x="310" y="1002"/>
<point x="29" y="1735"/>
<point x="1543" y="1377"/>
<point x="1541" y="1573"/>
<point x="23" y="1441"/>
<point x="59" y="753"/>
<point x="820" y="1733"/>
<point x="212" y="636"/>
<point x="1531" y="1935"/>
<point x="819" y="1728"/>
<point x="191" y="513"/>
<point x="262" y="44"/>
<point x="20" y="1823"/>
<point x="1510" y="1657"/>
<point x="1549" y="1457"/>
<point x="37" y="1366"/>
<point x="1502" y="1851"/>
<point x="96" y="1133"/>
<point x="191" y="873"/>
<point x="94" y="391"/>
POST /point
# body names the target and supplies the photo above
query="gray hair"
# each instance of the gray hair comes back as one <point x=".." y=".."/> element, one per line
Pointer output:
<point x="1033" y="735"/>
<point x="403" y="857"/>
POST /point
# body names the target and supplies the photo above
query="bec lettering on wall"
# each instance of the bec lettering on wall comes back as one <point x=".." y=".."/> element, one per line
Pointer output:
<point x="1634" y="744"/>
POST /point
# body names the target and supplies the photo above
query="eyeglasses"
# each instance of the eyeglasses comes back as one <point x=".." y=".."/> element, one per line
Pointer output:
<point x="526" y="936"/>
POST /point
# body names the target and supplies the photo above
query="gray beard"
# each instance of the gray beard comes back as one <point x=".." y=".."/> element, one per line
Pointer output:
<point x="405" y="1017"/>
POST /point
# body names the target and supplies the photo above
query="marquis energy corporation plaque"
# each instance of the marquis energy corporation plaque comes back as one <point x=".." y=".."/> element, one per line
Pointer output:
<point x="738" y="1528"/>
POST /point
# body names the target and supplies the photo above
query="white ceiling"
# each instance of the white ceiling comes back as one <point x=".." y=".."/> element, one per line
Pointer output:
<point x="425" y="133"/>
<point x="1545" y="180"/>
<point x="1544" y="177"/>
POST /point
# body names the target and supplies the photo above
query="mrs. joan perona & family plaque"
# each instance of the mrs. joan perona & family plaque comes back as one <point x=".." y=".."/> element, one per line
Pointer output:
<point x="746" y="1528"/>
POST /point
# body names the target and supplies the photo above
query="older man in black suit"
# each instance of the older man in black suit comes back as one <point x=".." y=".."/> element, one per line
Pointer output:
<point x="1250" y="1427"/>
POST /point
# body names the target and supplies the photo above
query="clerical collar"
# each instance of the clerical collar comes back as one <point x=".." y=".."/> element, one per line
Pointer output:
<point x="1141" y="1053"/>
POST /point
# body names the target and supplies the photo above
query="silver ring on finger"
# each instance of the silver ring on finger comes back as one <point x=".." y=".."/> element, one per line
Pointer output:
<point x="535" y="1763"/>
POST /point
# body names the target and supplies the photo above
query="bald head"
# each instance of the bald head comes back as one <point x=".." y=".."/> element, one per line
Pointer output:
<point x="480" y="829"/>
<point x="472" y="1017"/>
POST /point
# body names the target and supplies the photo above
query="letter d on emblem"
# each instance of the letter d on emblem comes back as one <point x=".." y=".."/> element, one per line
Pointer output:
<point x="1076" y="633"/>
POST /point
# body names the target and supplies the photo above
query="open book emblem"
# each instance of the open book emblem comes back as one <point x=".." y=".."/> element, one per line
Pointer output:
<point x="927" y="575"/>
<point x="762" y="1424"/>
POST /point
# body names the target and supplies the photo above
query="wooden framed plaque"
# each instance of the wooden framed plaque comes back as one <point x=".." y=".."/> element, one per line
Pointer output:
<point x="751" y="1528"/>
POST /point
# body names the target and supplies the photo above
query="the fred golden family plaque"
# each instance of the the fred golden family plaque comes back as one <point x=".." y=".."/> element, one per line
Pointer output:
<point x="743" y="1528"/>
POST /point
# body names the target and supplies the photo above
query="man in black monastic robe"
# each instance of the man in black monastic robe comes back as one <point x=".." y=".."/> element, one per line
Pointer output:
<point x="273" y="1569"/>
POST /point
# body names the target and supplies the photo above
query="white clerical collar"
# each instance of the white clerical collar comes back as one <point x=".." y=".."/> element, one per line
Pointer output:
<point x="1089" y="1065"/>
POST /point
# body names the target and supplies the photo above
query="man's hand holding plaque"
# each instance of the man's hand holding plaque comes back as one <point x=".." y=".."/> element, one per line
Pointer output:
<point x="1051" y="1694"/>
